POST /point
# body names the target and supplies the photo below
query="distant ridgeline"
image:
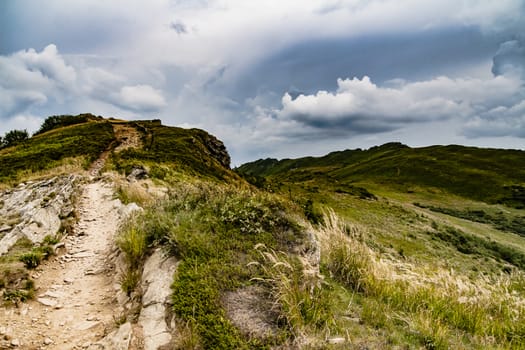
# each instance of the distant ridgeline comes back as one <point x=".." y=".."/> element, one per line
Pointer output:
<point x="64" y="138"/>
<point x="489" y="175"/>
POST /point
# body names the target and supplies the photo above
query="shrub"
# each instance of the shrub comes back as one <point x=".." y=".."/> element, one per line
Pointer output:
<point x="311" y="213"/>
<point x="14" y="137"/>
<point x="129" y="281"/>
<point x="32" y="259"/>
<point x="50" y="240"/>
<point x="58" y="121"/>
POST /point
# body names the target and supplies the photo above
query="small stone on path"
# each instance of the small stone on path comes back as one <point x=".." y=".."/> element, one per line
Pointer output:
<point x="336" y="340"/>
<point x="47" y="302"/>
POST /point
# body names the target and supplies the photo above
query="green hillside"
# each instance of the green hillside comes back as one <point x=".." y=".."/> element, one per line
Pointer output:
<point x="172" y="150"/>
<point x="410" y="217"/>
<point x="54" y="148"/>
<point x="72" y="143"/>
<point x="489" y="175"/>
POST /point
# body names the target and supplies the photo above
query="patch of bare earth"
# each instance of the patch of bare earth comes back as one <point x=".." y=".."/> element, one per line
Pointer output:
<point x="251" y="312"/>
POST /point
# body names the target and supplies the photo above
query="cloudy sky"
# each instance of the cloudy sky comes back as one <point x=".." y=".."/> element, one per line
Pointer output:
<point x="274" y="78"/>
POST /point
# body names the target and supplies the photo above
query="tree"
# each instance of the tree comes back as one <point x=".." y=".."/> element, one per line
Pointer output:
<point x="13" y="137"/>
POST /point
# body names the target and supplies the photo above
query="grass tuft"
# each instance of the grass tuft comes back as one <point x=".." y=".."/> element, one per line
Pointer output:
<point x="298" y="291"/>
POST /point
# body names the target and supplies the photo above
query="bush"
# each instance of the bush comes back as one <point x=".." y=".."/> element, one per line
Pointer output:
<point x="311" y="213"/>
<point x="58" y="121"/>
<point x="129" y="281"/>
<point x="32" y="259"/>
<point x="50" y="240"/>
<point x="14" y="137"/>
<point x="133" y="243"/>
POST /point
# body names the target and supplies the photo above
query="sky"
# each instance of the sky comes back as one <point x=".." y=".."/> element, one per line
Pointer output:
<point x="273" y="78"/>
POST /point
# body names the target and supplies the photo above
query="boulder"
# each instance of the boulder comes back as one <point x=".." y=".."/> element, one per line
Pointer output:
<point x="138" y="172"/>
<point x="119" y="339"/>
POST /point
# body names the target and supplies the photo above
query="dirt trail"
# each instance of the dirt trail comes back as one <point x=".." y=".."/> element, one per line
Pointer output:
<point x="126" y="137"/>
<point x="75" y="303"/>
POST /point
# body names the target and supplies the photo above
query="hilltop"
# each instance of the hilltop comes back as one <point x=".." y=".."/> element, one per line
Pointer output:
<point x="136" y="235"/>
<point x="80" y="140"/>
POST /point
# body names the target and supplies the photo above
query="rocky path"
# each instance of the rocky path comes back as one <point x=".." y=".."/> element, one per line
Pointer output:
<point x="126" y="137"/>
<point x="75" y="304"/>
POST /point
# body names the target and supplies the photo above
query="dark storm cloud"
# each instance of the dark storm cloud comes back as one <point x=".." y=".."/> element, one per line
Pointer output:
<point x="316" y="64"/>
<point x="510" y="58"/>
<point x="359" y="106"/>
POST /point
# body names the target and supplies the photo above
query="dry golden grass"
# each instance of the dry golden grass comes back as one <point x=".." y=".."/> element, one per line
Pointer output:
<point x="441" y="306"/>
<point x="133" y="192"/>
<point x="73" y="165"/>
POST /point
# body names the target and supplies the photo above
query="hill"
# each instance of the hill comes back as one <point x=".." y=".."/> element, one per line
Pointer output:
<point x="131" y="234"/>
<point x="80" y="140"/>
<point x="411" y="214"/>
<point x="488" y="175"/>
<point x="89" y="203"/>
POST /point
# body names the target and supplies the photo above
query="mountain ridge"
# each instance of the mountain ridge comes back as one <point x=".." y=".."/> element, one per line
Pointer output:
<point x="457" y="169"/>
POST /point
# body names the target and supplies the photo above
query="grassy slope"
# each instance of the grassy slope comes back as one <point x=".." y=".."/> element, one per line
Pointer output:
<point x="456" y="180"/>
<point x="173" y="152"/>
<point x="392" y="275"/>
<point x="480" y="174"/>
<point x="54" y="148"/>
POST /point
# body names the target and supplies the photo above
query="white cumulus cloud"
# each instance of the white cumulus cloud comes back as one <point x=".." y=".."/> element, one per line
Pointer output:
<point x="360" y="106"/>
<point x="34" y="81"/>
<point x="141" y="98"/>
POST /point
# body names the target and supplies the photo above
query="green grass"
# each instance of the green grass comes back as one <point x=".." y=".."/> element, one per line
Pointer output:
<point x="212" y="229"/>
<point x="490" y="175"/>
<point x="43" y="251"/>
<point x="15" y="282"/>
<point x="444" y="309"/>
<point x="445" y="274"/>
<point x="171" y="151"/>
<point x="299" y="290"/>
<point x="498" y="220"/>
<point x="51" y="149"/>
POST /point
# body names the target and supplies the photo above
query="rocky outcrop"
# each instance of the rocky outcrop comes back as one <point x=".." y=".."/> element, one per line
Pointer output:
<point x="119" y="339"/>
<point x="154" y="328"/>
<point x="217" y="150"/>
<point x="35" y="209"/>
<point x="157" y="277"/>
<point x="138" y="172"/>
